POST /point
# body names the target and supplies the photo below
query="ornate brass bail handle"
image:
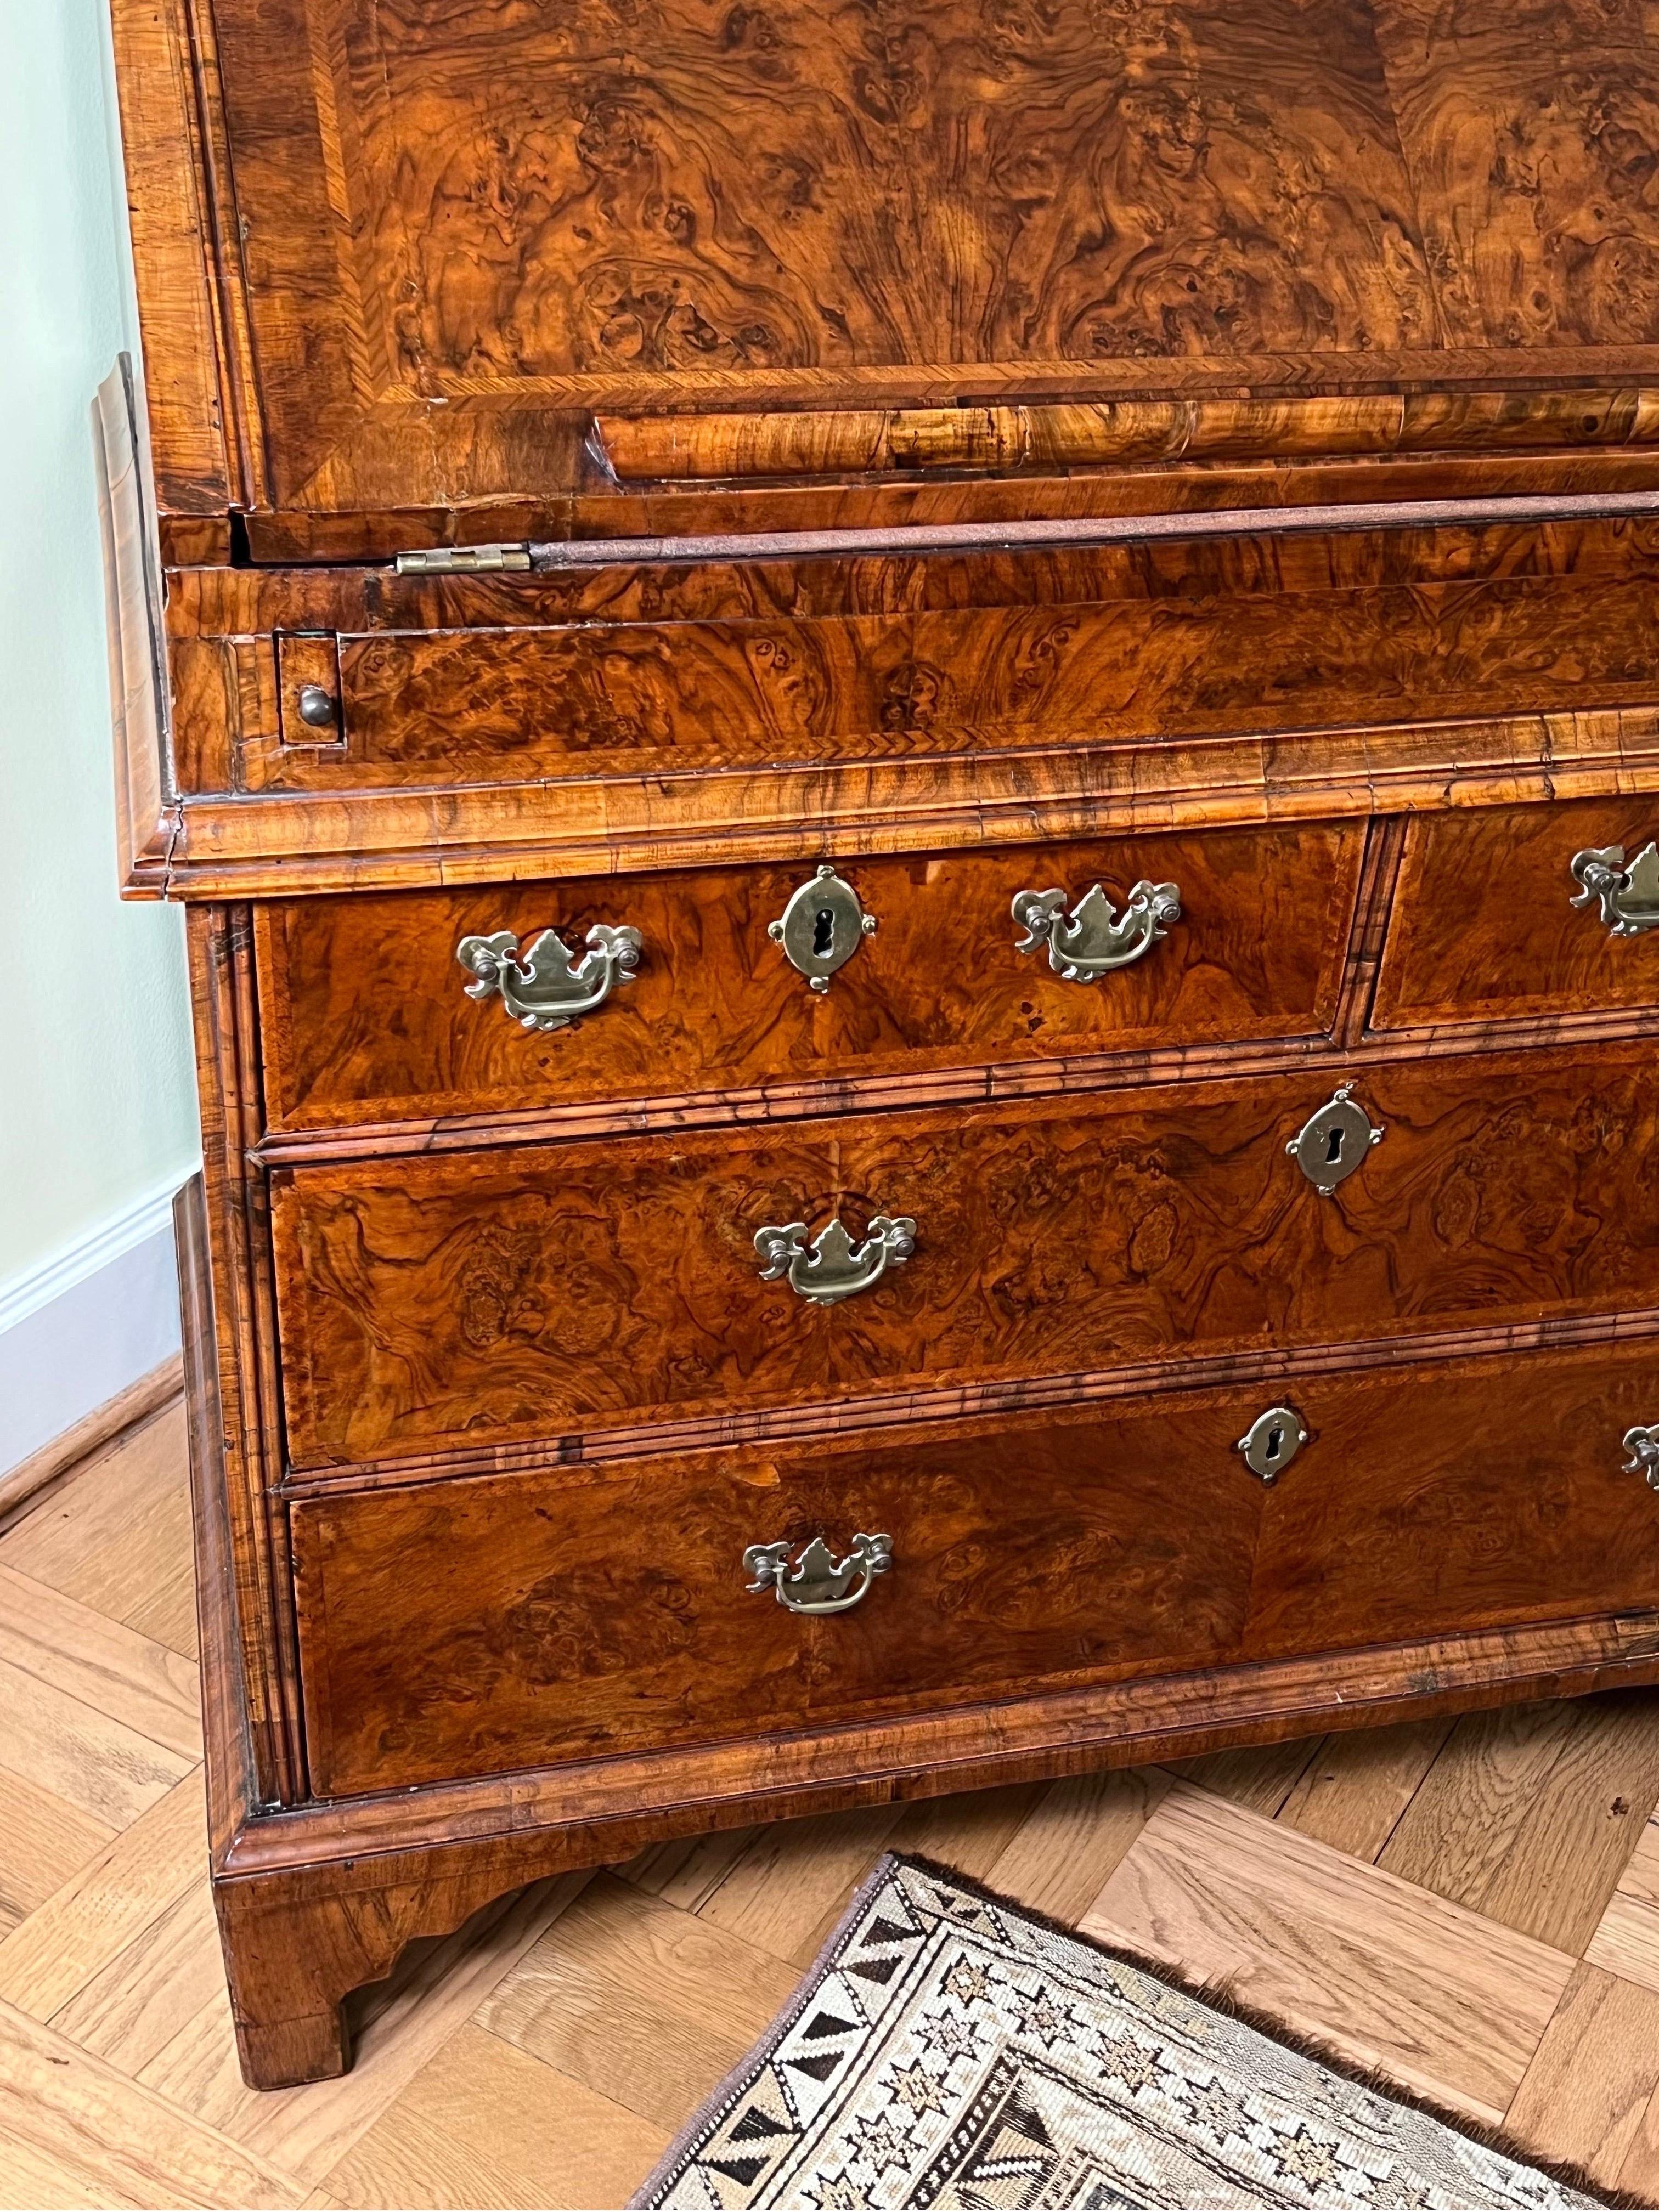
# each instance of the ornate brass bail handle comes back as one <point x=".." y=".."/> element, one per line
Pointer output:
<point x="1094" y="937"/>
<point x="1643" y="1445"/>
<point x="546" y="986"/>
<point x="1628" y="897"/>
<point x="832" y="1268"/>
<point x="818" y="1582"/>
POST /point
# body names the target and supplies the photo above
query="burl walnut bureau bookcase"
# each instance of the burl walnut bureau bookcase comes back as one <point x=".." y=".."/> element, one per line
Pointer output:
<point x="915" y="749"/>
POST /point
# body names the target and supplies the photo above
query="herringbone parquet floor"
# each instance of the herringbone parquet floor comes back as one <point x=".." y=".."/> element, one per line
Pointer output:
<point x="1474" y="1907"/>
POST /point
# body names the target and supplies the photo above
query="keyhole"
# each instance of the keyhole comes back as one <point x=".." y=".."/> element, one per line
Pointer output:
<point x="1334" y="1146"/>
<point x="1275" y="1444"/>
<point x="824" y="931"/>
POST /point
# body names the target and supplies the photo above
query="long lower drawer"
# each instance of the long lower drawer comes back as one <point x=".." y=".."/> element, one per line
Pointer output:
<point x="508" y="1295"/>
<point x="466" y="1626"/>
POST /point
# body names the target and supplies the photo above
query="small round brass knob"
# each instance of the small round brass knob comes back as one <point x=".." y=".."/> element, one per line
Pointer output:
<point x="316" y="707"/>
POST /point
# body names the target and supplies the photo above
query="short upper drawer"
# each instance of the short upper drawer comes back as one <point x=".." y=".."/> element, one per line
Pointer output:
<point x="1491" y="922"/>
<point x="515" y="1295"/>
<point x="462" y="1628"/>
<point x="642" y="671"/>
<point x="366" y="1014"/>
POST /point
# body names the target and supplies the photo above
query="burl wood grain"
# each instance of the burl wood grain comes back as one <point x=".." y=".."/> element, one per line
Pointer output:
<point x="485" y="1298"/>
<point x="472" y="705"/>
<point x="446" y="232"/>
<point x="1379" y="549"/>
<point x="1525" y="129"/>
<point x="365" y="1015"/>
<point x="321" y="1898"/>
<point x="766" y="190"/>
<point x="635" y="202"/>
<point x="1483" y="928"/>
<point x="1349" y="664"/>
<point x="471" y="1628"/>
<point x="1431" y="1501"/>
<point x="466" y="1626"/>
<point x="893" y="654"/>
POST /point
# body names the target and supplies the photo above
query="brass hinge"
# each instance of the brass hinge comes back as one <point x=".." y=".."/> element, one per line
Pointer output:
<point x="464" y="561"/>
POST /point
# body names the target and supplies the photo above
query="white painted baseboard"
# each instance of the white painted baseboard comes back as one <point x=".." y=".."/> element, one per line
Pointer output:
<point x="85" y="1326"/>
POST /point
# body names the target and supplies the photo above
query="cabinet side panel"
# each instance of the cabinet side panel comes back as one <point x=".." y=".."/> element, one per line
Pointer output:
<point x="219" y="938"/>
<point x="173" y="256"/>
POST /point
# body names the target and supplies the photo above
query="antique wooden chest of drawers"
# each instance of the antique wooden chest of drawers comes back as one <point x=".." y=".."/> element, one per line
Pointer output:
<point x="915" y="753"/>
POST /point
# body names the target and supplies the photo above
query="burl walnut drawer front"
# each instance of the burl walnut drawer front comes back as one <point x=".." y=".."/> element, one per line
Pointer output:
<point x="490" y="1297"/>
<point x="366" y="1014"/>
<point x="1524" y="911"/>
<point x="467" y="1625"/>
<point x="1066" y="649"/>
<point x="464" y="1626"/>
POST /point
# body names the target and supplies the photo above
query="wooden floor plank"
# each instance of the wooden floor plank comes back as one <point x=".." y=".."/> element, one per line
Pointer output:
<point x="44" y="1841"/>
<point x="1626" y="1937"/>
<point x="197" y="2069"/>
<point x="1530" y="1813"/>
<point x="1260" y="1778"/>
<point x="149" y="1688"/>
<point x="98" y="1764"/>
<point x="688" y="1871"/>
<point x="116" y="1534"/>
<point x="107" y="2135"/>
<point x="1584" y="2095"/>
<point x="798" y="1876"/>
<point x="1353" y="1792"/>
<point x="1065" y="1849"/>
<point x="147" y="1992"/>
<point x="33" y="2179"/>
<point x="967" y="1832"/>
<point x="73" y="1542"/>
<point x="483" y="2124"/>
<point x="646" y="2005"/>
<point x="1638" y="2176"/>
<point x="23" y="1487"/>
<point x="1456" y="1837"/>
<point x="71" y="1938"/>
<point x="167" y="1613"/>
<point x="1450" y="2004"/>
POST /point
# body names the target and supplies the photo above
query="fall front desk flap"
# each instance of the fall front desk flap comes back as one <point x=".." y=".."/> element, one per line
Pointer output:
<point x="541" y="268"/>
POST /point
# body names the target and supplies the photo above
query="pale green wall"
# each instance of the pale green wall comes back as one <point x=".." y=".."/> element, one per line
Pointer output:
<point x="97" y="1103"/>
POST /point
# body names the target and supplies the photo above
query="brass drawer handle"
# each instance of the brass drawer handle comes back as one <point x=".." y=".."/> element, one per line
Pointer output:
<point x="822" y="926"/>
<point x="1629" y="895"/>
<point x="1094" y="939"/>
<point x="819" y="1583"/>
<point x="832" y="1268"/>
<point x="1333" y="1142"/>
<point x="545" y="986"/>
<point x="1271" y="1442"/>
<point x="1643" y="1445"/>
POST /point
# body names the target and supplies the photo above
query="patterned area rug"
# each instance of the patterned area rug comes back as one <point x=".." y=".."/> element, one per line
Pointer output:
<point x="947" y="2050"/>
